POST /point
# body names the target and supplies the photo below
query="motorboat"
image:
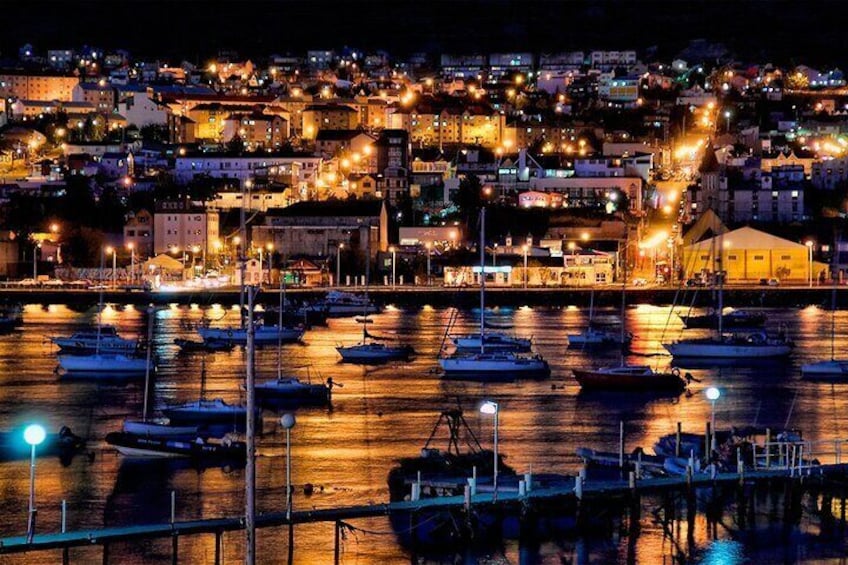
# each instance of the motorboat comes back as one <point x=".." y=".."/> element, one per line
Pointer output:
<point x="339" y="304"/>
<point x="596" y="337"/>
<point x="294" y="389"/>
<point x="64" y="443"/>
<point x="133" y="445"/>
<point x="104" y="340"/>
<point x="503" y="364"/>
<point x="107" y="364"/>
<point x="734" y="346"/>
<point x="492" y="341"/>
<point x="731" y="318"/>
<point x="263" y="335"/>
<point x="631" y="378"/>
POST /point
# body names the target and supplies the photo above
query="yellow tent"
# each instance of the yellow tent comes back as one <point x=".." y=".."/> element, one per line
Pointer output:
<point x="163" y="263"/>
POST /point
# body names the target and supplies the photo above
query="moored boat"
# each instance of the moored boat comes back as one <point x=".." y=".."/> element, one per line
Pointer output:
<point x="104" y="340"/>
<point x="159" y="428"/>
<point x="492" y="341"/>
<point x="134" y="445"/>
<point x="293" y="389"/>
<point x="596" y="337"/>
<point x="105" y="364"/>
<point x="631" y="378"/>
<point x="215" y="411"/>
<point x="263" y="335"/>
<point x="735" y="346"/>
<point x="730" y="319"/>
<point x="495" y="364"/>
<point x="830" y="369"/>
<point x="208" y="345"/>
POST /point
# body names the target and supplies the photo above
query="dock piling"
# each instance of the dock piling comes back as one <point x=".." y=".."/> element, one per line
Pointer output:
<point x="621" y="445"/>
<point x="522" y="488"/>
<point x="632" y="480"/>
<point x="528" y="481"/>
<point x="467" y="496"/>
<point x="578" y="487"/>
<point x="173" y="506"/>
<point x="677" y="439"/>
<point x="336" y="552"/>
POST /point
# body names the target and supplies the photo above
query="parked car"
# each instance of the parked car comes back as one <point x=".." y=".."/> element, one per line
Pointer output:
<point x="28" y="282"/>
<point x="640" y="282"/>
<point x="695" y="282"/>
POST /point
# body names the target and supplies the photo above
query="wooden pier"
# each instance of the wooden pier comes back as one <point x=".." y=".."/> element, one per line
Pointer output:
<point x="509" y="498"/>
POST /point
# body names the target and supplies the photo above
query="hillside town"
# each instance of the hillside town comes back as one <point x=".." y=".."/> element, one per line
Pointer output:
<point x="348" y="167"/>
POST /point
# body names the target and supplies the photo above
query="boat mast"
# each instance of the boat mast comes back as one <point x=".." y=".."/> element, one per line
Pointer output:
<point x="100" y="306"/>
<point x="482" y="279"/>
<point x="623" y="290"/>
<point x="150" y="316"/>
<point x="241" y="257"/>
<point x="280" y="327"/>
<point x="250" y="466"/>
<point x="720" y="274"/>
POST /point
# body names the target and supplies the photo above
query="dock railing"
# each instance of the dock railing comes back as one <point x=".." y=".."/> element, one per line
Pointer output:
<point x="798" y="457"/>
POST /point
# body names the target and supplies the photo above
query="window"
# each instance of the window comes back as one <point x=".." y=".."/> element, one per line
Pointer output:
<point x="758" y="257"/>
<point x="785" y="257"/>
<point x="731" y="257"/>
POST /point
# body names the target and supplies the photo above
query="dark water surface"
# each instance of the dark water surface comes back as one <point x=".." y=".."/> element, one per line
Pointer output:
<point x="381" y="414"/>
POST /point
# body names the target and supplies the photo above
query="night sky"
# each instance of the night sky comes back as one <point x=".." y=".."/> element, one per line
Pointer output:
<point x="778" y="31"/>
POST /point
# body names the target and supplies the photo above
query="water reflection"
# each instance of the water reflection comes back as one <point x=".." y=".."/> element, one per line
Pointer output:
<point x="387" y="412"/>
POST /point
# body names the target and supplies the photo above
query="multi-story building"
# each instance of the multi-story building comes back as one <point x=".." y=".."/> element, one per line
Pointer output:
<point x="830" y="173"/>
<point x="504" y="64"/>
<point x="611" y="59"/>
<point x="328" y="116"/>
<point x="256" y="130"/>
<point x="624" y="90"/>
<point x="138" y="233"/>
<point x="303" y="168"/>
<point x="462" y="66"/>
<point x="60" y="58"/>
<point x="99" y="94"/>
<point x="177" y="225"/>
<point x="320" y="59"/>
<point x="30" y="85"/>
<point x="331" y="142"/>
<point x="392" y="151"/>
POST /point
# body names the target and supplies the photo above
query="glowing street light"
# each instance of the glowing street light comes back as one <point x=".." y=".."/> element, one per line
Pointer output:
<point x="131" y="247"/>
<point x="809" y="243"/>
<point x="111" y="250"/>
<point x="493" y="409"/>
<point x="288" y="421"/>
<point x="393" y="251"/>
<point x="34" y="435"/>
<point x="525" y="248"/>
<point x="713" y="394"/>
<point x="339" y="264"/>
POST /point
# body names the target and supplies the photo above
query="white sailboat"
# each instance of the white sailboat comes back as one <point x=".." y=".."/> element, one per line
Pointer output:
<point x="742" y="346"/>
<point x="339" y="304"/>
<point x="154" y="427"/>
<point x="488" y="364"/>
<point x="203" y="411"/>
<point x="103" y="364"/>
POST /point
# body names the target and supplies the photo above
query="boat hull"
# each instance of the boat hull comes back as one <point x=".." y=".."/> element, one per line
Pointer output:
<point x="834" y="369"/>
<point x="369" y="354"/>
<point x="104" y="364"/>
<point x="159" y="429"/>
<point x="272" y="390"/>
<point x="720" y="350"/>
<point x="599" y="379"/>
<point x="263" y="335"/>
<point x="503" y="367"/>
<point x="143" y="446"/>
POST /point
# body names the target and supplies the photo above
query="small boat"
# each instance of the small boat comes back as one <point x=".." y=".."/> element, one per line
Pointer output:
<point x="498" y="324"/>
<point x="292" y="388"/>
<point x="64" y="443"/>
<point x="730" y="319"/>
<point x="630" y="378"/>
<point x="106" y="340"/>
<point x="208" y="345"/>
<point x="263" y="335"/>
<point x="496" y="364"/>
<point x="200" y="448"/>
<point x="105" y="364"/>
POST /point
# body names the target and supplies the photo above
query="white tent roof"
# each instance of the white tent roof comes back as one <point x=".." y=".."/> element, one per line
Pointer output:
<point x="745" y="238"/>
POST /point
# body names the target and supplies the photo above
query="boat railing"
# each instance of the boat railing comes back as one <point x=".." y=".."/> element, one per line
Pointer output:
<point x="799" y="456"/>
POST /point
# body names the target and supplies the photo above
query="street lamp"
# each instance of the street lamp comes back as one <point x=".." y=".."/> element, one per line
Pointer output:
<point x="492" y="408"/>
<point x="727" y="117"/>
<point x="525" y="277"/>
<point x="270" y="248"/>
<point x="35" y="260"/>
<point x="288" y="421"/>
<point x="131" y="247"/>
<point x="393" y="250"/>
<point x="111" y="250"/>
<point x="712" y="395"/>
<point x="809" y="243"/>
<point x="34" y="435"/>
<point x="339" y="264"/>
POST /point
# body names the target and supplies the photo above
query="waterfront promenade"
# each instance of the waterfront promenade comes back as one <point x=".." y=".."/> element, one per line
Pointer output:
<point x="409" y="295"/>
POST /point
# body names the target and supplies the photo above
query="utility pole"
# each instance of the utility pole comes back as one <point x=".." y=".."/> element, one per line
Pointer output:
<point x="250" y="468"/>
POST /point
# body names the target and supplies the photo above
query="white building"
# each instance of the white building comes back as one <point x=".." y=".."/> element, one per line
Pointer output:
<point x="593" y="191"/>
<point x="608" y="166"/>
<point x="304" y="168"/>
<point x="259" y="201"/>
<point x="178" y="226"/>
<point x="140" y="110"/>
<point x="606" y="59"/>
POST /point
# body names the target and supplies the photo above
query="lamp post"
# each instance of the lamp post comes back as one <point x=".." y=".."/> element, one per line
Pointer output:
<point x="131" y="247"/>
<point x="809" y="244"/>
<point x="34" y="435"/>
<point x="339" y="264"/>
<point x="727" y="117"/>
<point x="495" y="255"/>
<point x="492" y="408"/>
<point x="111" y="250"/>
<point x="35" y="261"/>
<point x="428" y="245"/>
<point x="269" y="247"/>
<point x="288" y="421"/>
<point x="712" y="395"/>
<point x="525" y="277"/>
<point x="393" y="250"/>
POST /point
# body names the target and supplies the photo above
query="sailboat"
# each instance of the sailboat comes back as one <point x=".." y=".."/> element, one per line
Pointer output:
<point x="288" y="388"/>
<point x="206" y="412"/>
<point x="158" y="427"/>
<point x="751" y="346"/>
<point x="484" y="363"/>
<point x="104" y="363"/>
<point x="832" y="368"/>
<point x="593" y="337"/>
<point x="629" y="378"/>
<point x="373" y="351"/>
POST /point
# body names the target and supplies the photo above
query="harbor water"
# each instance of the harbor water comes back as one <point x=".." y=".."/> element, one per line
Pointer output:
<point x="382" y="413"/>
